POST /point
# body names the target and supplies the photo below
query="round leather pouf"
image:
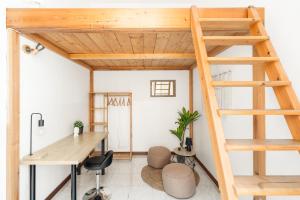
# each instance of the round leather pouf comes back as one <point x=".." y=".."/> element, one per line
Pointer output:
<point x="179" y="180"/>
<point x="158" y="157"/>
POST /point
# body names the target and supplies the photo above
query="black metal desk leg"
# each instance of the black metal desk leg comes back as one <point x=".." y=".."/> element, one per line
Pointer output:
<point x="32" y="181"/>
<point x="73" y="183"/>
<point x="103" y="152"/>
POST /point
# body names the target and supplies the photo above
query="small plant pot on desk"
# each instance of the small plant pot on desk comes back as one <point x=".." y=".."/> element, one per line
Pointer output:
<point x="78" y="127"/>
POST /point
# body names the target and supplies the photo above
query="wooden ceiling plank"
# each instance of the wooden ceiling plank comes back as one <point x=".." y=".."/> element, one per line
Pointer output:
<point x="187" y="43"/>
<point x="87" y="41"/>
<point x="125" y="43"/>
<point x="137" y="43"/>
<point x="54" y="38"/>
<point x="174" y="42"/>
<point x="78" y="39"/>
<point x="52" y="47"/>
<point x="71" y="42"/>
<point x="149" y="45"/>
<point x="173" y="45"/>
<point x="149" y="42"/>
<point x="112" y="41"/>
<point x="100" y="42"/>
<point x="161" y="42"/>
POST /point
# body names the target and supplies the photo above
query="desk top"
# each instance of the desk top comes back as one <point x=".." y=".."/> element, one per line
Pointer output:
<point x="67" y="151"/>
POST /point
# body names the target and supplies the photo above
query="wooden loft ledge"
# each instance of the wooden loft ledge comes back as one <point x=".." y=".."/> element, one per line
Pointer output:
<point x="129" y="39"/>
<point x="90" y="20"/>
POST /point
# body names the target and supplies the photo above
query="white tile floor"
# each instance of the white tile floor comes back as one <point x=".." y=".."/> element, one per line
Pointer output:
<point x="123" y="179"/>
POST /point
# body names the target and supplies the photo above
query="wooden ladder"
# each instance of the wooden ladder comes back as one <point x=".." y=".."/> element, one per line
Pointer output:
<point x="259" y="185"/>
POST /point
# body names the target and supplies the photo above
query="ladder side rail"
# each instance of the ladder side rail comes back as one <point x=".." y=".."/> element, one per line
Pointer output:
<point x="222" y="162"/>
<point x="286" y="96"/>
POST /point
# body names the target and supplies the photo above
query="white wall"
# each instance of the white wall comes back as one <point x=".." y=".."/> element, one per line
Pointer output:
<point x="59" y="90"/>
<point x="152" y="116"/>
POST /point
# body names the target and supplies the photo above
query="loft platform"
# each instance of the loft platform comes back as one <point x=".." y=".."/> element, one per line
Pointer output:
<point x="129" y="39"/>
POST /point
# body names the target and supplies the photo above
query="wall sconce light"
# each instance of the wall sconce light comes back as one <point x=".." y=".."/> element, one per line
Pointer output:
<point x="28" y="50"/>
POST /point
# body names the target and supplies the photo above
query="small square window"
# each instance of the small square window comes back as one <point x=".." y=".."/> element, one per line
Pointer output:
<point x="163" y="88"/>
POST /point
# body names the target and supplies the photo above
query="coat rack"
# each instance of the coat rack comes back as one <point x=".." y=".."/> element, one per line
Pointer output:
<point x="119" y="101"/>
<point x="116" y="99"/>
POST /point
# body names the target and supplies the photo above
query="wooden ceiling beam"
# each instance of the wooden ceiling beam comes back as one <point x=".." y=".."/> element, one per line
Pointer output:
<point x="213" y="52"/>
<point x="33" y="20"/>
<point x="217" y="50"/>
<point x="144" y="56"/>
<point x="54" y="48"/>
<point x="121" y="68"/>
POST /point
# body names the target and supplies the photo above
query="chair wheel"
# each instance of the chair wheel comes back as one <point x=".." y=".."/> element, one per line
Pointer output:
<point x="91" y="195"/>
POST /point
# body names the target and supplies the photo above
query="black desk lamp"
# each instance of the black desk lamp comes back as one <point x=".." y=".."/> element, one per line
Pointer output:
<point x="40" y="124"/>
<point x="32" y="167"/>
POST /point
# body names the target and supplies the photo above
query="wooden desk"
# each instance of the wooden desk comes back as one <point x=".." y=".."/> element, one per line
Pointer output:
<point x="67" y="151"/>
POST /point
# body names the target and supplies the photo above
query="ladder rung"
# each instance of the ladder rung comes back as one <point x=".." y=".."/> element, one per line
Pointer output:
<point x="102" y="108"/>
<point x="99" y="124"/>
<point x="232" y="24"/>
<point x="257" y="112"/>
<point x="240" y="60"/>
<point x="228" y="20"/>
<point x="233" y="40"/>
<point x="262" y="145"/>
<point x="267" y="185"/>
<point x="250" y="83"/>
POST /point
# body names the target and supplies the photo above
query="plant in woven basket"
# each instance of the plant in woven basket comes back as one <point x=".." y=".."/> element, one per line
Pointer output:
<point x="185" y="118"/>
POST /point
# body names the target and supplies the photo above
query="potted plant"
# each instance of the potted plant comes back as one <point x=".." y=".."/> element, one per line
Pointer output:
<point x="185" y="118"/>
<point x="78" y="127"/>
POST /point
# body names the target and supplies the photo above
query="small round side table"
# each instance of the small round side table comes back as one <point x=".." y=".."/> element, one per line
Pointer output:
<point x="184" y="156"/>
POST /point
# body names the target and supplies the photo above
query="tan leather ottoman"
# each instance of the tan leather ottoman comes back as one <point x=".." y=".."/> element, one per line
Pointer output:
<point x="179" y="180"/>
<point x="158" y="157"/>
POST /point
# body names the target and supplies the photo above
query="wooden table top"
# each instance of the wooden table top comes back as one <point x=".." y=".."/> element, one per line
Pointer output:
<point x="67" y="151"/>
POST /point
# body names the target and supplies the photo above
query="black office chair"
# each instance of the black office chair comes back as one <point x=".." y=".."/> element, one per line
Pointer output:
<point x="97" y="163"/>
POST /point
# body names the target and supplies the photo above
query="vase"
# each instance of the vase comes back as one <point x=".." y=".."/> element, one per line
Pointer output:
<point x="76" y="131"/>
